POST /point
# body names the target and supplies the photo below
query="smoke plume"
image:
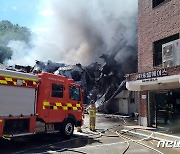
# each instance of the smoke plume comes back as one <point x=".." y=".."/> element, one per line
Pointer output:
<point x="80" y="31"/>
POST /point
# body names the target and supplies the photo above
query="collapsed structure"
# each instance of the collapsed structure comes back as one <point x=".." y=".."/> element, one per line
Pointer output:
<point x="100" y="82"/>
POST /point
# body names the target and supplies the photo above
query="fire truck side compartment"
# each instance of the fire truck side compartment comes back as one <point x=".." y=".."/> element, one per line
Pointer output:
<point x="13" y="126"/>
<point x="16" y="101"/>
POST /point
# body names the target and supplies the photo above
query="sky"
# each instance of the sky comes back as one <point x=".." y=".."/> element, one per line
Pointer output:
<point x="29" y="13"/>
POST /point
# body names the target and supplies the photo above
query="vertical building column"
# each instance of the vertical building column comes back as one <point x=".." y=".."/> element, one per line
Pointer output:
<point x="143" y="108"/>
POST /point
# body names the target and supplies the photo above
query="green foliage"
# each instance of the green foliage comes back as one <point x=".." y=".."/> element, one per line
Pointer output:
<point x="5" y="53"/>
<point x="8" y="32"/>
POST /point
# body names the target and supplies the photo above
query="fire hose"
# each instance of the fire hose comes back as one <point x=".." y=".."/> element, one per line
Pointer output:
<point x="100" y="134"/>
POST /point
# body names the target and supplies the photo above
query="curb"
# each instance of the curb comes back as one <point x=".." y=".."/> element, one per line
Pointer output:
<point x="113" y="116"/>
<point x="142" y="132"/>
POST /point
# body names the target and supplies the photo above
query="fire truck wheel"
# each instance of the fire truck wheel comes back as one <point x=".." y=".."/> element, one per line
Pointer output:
<point x="67" y="128"/>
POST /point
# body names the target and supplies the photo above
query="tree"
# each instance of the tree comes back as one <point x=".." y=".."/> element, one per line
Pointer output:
<point x="8" y="32"/>
<point x="5" y="53"/>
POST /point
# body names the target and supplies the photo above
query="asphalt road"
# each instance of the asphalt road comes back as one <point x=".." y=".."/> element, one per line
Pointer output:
<point x="105" y="140"/>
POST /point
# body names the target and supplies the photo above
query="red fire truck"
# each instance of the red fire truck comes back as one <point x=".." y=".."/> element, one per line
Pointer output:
<point x="43" y="103"/>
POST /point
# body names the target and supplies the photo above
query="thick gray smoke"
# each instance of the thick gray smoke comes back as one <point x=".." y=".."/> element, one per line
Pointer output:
<point x="80" y="31"/>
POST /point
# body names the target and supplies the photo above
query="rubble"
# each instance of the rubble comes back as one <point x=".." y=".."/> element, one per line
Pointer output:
<point x="100" y="82"/>
<point x="2" y="66"/>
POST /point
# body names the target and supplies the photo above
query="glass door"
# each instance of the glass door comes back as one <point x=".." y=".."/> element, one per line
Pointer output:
<point x="152" y="117"/>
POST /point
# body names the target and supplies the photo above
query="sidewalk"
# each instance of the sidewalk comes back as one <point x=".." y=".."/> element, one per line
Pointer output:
<point x="145" y="132"/>
<point x="131" y="127"/>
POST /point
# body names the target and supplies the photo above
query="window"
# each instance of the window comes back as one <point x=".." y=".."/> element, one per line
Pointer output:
<point x="158" y="48"/>
<point x="132" y="100"/>
<point x="74" y="93"/>
<point x="57" y="90"/>
<point x="157" y="2"/>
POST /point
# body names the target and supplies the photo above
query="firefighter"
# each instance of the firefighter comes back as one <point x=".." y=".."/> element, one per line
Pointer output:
<point x="92" y="115"/>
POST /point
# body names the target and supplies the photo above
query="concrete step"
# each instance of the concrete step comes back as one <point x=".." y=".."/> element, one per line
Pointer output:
<point x="145" y="132"/>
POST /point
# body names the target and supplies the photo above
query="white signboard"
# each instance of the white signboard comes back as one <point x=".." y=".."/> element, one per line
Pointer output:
<point x="143" y="96"/>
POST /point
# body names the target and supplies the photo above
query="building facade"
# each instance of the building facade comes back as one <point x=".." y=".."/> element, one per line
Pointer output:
<point x="158" y="79"/>
<point x="125" y="103"/>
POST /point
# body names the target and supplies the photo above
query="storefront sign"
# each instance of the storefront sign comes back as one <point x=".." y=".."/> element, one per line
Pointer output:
<point x="149" y="80"/>
<point x="152" y="74"/>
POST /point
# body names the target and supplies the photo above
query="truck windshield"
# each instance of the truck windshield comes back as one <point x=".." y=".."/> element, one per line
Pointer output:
<point x="74" y="93"/>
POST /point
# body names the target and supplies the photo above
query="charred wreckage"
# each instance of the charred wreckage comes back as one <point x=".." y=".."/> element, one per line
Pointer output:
<point x="100" y="82"/>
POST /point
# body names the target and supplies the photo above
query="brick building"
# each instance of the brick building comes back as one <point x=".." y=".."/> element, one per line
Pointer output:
<point x="158" y="79"/>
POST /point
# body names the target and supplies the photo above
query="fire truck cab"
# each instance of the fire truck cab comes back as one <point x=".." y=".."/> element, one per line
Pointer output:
<point x="42" y="103"/>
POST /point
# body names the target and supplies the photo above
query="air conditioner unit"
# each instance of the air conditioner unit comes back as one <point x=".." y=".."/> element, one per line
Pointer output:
<point x="171" y="53"/>
<point x="167" y="51"/>
<point x="168" y="63"/>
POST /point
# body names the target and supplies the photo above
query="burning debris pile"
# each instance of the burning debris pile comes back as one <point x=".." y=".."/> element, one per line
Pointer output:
<point x="101" y="82"/>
